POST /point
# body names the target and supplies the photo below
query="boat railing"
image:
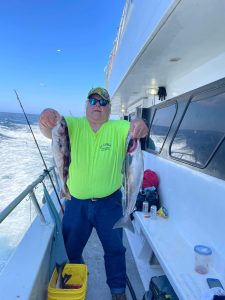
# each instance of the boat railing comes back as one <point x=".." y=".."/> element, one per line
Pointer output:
<point x="108" y="69"/>
<point x="30" y="191"/>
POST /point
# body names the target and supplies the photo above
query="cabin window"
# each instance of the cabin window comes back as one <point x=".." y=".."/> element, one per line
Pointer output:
<point x="132" y="116"/>
<point x="160" y="127"/>
<point x="217" y="164"/>
<point x="139" y="112"/>
<point x="201" y="130"/>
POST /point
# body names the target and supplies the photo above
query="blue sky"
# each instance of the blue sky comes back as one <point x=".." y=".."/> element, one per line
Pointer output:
<point x="31" y="32"/>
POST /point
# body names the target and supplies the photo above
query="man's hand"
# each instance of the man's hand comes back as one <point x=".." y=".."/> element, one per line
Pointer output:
<point x="138" y="129"/>
<point x="48" y="120"/>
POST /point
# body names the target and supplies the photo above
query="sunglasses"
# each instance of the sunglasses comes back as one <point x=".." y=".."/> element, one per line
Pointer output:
<point x="102" y="102"/>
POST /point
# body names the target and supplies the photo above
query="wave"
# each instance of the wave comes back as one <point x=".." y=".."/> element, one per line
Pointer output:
<point x="20" y="166"/>
<point x="3" y="136"/>
<point x="16" y="121"/>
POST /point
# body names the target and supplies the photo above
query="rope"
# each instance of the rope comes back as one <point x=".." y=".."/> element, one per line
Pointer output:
<point x="131" y="288"/>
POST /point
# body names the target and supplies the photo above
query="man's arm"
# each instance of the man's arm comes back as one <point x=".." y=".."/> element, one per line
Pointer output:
<point x="48" y="120"/>
<point x="138" y="129"/>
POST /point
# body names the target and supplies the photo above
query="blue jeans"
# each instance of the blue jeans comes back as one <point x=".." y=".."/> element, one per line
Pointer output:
<point x="78" y="221"/>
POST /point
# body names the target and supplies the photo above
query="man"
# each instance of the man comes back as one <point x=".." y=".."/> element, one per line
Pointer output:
<point x="98" y="148"/>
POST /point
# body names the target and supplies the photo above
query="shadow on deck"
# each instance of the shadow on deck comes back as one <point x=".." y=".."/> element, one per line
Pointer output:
<point x="97" y="287"/>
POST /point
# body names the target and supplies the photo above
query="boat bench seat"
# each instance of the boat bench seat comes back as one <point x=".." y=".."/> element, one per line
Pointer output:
<point x="195" y="206"/>
<point x="175" y="255"/>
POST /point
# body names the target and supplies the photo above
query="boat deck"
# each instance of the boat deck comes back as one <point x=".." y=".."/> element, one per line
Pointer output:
<point x="97" y="287"/>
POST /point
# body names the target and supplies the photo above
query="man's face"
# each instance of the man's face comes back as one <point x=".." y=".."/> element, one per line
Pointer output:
<point x="97" y="113"/>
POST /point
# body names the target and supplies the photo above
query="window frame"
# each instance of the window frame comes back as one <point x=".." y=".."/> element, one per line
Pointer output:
<point x="214" y="90"/>
<point x="173" y="102"/>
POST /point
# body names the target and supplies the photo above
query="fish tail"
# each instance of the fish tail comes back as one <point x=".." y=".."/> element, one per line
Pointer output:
<point x="124" y="222"/>
<point x="64" y="193"/>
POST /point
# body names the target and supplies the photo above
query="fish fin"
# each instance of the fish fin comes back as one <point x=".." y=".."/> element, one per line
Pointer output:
<point x="58" y="283"/>
<point x="60" y="277"/>
<point x="65" y="194"/>
<point x="123" y="167"/>
<point x="124" y="222"/>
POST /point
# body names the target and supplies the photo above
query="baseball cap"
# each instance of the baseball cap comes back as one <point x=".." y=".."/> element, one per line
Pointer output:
<point x="99" y="91"/>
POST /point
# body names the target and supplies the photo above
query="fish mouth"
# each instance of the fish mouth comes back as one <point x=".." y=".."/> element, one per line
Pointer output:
<point x="132" y="146"/>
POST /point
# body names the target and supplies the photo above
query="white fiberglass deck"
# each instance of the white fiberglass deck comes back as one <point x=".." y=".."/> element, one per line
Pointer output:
<point x="97" y="287"/>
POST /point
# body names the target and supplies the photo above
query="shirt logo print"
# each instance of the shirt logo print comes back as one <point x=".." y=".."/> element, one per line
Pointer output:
<point x="105" y="147"/>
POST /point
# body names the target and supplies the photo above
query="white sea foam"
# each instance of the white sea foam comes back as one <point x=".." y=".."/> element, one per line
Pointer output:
<point x="20" y="165"/>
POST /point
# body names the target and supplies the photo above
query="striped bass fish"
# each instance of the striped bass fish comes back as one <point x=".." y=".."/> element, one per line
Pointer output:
<point x="134" y="170"/>
<point x="61" y="154"/>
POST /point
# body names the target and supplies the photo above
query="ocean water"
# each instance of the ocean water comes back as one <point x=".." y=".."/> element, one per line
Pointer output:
<point x="20" y="165"/>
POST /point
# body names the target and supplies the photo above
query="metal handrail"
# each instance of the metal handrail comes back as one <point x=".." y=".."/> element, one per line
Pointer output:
<point x="29" y="190"/>
<point x="109" y="66"/>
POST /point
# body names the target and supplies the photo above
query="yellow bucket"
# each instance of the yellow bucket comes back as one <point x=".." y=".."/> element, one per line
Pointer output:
<point x="79" y="279"/>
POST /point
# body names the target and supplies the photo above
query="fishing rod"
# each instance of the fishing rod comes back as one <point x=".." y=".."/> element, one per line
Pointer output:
<point x="46" y="168"/>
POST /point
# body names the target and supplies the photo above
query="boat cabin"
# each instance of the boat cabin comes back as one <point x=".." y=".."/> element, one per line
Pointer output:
<point x="167" y="67"/>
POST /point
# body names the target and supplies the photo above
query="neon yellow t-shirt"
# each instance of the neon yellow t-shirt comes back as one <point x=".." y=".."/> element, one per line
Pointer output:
<point x="96" y="157"/>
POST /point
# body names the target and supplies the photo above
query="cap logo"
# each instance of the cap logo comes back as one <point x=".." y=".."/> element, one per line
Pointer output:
<point x="101" y="92"/>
